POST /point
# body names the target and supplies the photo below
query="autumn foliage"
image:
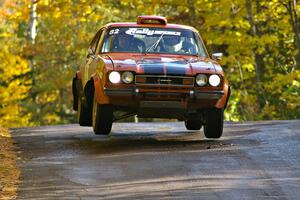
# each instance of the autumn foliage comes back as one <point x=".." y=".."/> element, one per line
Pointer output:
<point x="259" y="38"/>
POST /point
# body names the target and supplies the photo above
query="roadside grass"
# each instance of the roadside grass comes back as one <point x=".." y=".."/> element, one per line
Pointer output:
<point x="9" y="172"/>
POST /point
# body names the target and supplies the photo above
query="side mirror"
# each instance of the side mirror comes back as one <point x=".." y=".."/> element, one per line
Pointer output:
<point x="217" y="56"/>
<point x="90" y="53"/>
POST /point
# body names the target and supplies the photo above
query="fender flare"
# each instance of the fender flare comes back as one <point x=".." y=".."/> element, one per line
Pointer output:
<point x="222" y="103"/>
<point x="101" y="97"/>
<point x="94" y="87"/>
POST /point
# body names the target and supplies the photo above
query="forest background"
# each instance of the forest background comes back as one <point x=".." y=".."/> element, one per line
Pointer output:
<point x="44" y="41"/>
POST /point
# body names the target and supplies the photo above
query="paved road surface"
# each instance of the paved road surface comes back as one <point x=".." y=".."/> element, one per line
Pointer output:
<point x="160" y="161"/>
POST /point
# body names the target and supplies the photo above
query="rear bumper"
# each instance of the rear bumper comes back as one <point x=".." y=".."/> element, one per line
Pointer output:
<point x="191" y="94"/>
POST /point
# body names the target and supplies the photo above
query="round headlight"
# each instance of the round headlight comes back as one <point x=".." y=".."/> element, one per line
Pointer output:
<point x="201" y="79"/>
<point x="214" y="80"/>
<point x="114" y="77"/>
<point x="127" y="77"/>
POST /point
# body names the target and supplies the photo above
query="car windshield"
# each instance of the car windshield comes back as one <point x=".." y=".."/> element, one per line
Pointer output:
<point x="153" y="40"/>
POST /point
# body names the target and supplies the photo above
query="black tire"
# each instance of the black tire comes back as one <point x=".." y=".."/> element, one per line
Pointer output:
<point x="75" y="94"/>
<point x="102" y="118"/>
<point x="84" y="115"/>
<point x="213" y="127"/>
<point x="192" y="124"/>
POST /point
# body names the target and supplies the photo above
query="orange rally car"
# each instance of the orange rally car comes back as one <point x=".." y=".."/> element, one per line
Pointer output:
<point x="151" y="69"/>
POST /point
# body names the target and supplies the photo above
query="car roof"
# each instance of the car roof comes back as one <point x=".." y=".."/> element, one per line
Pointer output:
<point x="137" y="25"/>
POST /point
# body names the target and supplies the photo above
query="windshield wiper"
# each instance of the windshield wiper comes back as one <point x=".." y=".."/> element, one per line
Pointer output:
<point x="155" y="44"/>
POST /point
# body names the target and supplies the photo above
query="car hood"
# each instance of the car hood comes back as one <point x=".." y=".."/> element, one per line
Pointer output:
<point x="162" y="64"/>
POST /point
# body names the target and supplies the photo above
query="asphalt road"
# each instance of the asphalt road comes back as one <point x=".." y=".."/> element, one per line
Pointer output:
<point x="254" y="160"/>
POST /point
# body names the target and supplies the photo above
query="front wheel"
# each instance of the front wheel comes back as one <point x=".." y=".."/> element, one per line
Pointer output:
<point x="213" y="127"/>
<point x="102" y="118"/>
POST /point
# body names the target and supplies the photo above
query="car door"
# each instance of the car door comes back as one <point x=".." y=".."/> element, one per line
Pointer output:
<point x="86" y="67"/>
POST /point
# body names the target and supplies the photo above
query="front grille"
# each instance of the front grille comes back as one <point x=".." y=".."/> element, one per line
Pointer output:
<point x="164" y="80"/>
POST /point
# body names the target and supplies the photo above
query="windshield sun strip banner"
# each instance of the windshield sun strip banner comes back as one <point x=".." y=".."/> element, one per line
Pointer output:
<point x="145" y="31"/>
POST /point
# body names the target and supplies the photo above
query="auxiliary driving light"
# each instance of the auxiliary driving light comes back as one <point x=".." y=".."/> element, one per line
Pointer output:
<point x="114" y="77"/>
<point x="201" y="79"/>
<point x="214" y="80"/>
<point x="127" y="77"/>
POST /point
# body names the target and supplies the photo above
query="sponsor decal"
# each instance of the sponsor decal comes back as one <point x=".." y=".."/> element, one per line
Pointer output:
<point x="114" y="31"/>
<point x="147" y="31"/>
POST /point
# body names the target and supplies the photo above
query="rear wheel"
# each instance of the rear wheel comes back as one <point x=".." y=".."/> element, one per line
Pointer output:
<point x="192" y="124"/>
<point x="102" y="118"/>
<point x="213" y="127"/>
<point x="83" y="114"/>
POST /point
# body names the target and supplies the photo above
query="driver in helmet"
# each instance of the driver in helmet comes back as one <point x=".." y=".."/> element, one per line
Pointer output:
<point x="172" y="44"/>
<point x="122" y="42"/>
<point x="127" y="43"/>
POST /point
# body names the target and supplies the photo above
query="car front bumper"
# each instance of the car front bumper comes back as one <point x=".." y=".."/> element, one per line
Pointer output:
<point x="191" y="94"/>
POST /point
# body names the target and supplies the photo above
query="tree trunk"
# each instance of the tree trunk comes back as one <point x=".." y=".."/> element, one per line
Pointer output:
<point x="294" y="21"/>
<point x="296" y="27"/>
<point x="31" y="29"/>
<point x="259" y="62"/>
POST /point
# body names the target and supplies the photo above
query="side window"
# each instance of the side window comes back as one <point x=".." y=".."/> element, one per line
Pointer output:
<point x="95" y="41"/>
<point x="200" y="45"/>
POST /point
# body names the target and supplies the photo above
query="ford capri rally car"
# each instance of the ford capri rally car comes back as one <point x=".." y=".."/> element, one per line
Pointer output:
<point x="151" y="69"/>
